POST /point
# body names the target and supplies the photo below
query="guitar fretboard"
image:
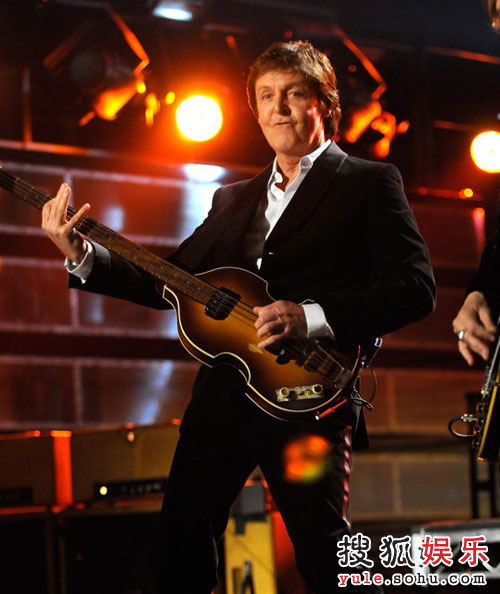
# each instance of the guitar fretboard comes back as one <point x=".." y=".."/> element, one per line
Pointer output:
<point x="171" y="275"/>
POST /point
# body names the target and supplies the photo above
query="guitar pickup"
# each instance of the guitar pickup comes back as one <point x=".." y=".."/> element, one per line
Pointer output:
<point x="221" y="303"/>
<point x="286" y="394"/>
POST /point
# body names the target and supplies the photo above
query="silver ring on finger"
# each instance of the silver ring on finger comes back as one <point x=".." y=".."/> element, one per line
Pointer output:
<point x="461" y="335"/>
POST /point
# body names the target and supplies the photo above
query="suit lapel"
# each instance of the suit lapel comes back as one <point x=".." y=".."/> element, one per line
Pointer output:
<point x="237" y="217"/>
<point x="226" y="229"/>
<point x="310" y="193"/>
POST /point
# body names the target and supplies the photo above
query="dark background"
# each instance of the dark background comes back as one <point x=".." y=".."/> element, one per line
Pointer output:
<point x="81" y="361"/>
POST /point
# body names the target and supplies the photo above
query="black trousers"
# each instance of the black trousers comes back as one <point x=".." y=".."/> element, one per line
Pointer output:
<point x="223" y="437"/>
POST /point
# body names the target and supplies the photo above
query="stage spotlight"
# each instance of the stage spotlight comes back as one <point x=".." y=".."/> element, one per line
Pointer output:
<point x="199" y="118"/>
<point x="118" y="85"/>
<point x="485" y="151"/>
<point x="102" y="61"/>
<point x="176" y="11"/>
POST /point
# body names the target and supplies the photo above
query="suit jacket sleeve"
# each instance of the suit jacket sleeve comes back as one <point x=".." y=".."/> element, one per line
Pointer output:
<point x="116" y="277"/>
<point x="401" y="289"/>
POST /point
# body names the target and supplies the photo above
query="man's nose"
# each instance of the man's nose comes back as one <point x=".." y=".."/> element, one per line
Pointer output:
<point x="281" y="103"/>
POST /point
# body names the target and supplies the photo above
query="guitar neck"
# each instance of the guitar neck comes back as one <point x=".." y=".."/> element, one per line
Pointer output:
<point x="161" y="269"/>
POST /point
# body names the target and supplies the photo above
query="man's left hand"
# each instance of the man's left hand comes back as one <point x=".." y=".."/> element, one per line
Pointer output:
<point x="280" y="320"/>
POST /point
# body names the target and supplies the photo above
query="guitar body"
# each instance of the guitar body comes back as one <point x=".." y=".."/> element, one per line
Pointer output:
<point x="233" y="341"/>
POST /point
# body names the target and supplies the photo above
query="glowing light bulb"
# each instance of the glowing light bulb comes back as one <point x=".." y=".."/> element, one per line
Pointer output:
<point x="485" y="151"/>
<point x="199" y="118"/>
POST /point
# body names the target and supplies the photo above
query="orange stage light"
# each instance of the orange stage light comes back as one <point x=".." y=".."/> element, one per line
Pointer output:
<point x="466" y="193"/>
<point x="386" y="125"/>
<point x="306" y="459"/>
<point x="361" y="120"/>
<point x="169" y="98"/>
<point x="152" y="108"/>
<point x="199" y="118"/>
<point x="110" y="101"/>
<point x="485" y="151"/>
<point x="231" y="42"/>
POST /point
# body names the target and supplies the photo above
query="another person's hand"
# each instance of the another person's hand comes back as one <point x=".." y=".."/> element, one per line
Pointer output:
<point x="280" y="320"/>
<point x="62" y="232"/>
<point x="474" y="327"/>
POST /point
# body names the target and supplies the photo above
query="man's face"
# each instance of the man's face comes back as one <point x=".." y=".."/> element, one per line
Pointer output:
<point x="288" y="113"/>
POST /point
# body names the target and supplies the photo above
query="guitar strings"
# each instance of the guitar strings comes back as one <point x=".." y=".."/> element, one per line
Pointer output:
<point x="240" y="310"/>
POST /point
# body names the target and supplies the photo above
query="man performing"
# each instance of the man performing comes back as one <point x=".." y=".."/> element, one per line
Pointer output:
<point x="320" y="226"/>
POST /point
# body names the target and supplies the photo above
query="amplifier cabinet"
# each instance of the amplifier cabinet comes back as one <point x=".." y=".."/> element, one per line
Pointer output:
<point x="36" y="469"/>
<point x="121" y="463"/>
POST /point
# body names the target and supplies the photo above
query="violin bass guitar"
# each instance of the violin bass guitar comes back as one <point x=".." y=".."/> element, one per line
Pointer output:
<point x="298" y="380"/>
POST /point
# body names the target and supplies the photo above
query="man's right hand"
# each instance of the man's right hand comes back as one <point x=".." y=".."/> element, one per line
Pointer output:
<point x="62" y="232"/>
<point x="474" y="327"/>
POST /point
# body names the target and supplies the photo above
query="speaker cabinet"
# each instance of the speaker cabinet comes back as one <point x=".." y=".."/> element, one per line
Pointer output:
<point x="27" y="554"/>
<point x="107" y="551"/>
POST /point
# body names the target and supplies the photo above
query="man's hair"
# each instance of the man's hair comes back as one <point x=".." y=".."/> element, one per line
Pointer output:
<point x="302" y="58"/>
<point x="494" y="13"/>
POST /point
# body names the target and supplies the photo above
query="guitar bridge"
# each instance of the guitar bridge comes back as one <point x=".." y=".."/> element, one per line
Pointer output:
<point x="286" y="394"/>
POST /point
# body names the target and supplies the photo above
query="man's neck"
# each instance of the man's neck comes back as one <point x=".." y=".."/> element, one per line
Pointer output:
<point x="289" y="166"/>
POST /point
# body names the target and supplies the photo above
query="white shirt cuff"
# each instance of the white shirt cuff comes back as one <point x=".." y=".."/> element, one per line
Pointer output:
<point x="82" y="270"/>
<point x="317" y="325"/>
